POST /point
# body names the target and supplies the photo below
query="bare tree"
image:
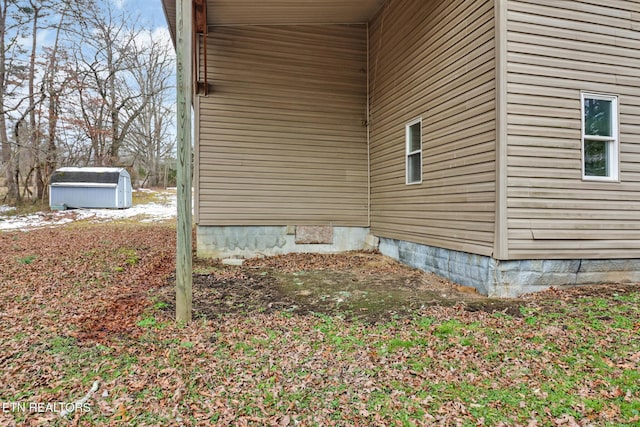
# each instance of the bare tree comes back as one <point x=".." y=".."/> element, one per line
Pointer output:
<point x="35" y="10"/>
<point x="97" y="89"/>
<point x="8" y="47"/>
<point x="110" y="99"/>
<point x="150" y="140"/>
<point x="55" y="84"/>
<point x="26" y="84"/>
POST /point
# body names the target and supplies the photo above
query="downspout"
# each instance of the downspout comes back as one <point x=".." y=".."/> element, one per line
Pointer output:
<point x="501" y="241"/>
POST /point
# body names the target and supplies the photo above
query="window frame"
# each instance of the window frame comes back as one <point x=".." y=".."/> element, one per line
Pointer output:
<point x="409" y="154"/>
<point x="613" y="141"/>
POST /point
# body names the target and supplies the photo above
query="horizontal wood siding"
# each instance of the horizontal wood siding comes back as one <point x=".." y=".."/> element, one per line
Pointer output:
<point x="252" y="12"/>
<point x="281" y="12"/>
<point x="435" y="60"/>
<point x="555" y="50"/>
<point x="282" y="135"/>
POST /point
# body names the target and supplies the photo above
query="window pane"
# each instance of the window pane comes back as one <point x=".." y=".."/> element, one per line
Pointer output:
<point x="596" y="158"/>
<point x="415" y="134"/>
<point x="414" y="168"/>
<point x="597" y="117"/>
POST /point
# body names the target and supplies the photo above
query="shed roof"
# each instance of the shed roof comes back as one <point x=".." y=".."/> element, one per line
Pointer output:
<point x="95" y="175"/>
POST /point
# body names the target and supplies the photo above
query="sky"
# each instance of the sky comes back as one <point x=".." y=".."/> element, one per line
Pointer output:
<point x="148" y="14"/>
<point x="149" y="11"/>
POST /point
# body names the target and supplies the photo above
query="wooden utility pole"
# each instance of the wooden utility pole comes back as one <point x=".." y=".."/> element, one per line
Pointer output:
<point x="184" y="20"/>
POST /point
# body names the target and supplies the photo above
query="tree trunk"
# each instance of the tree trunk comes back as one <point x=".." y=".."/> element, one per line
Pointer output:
<point x="40" y="185"/>
<point x="34" y="134"/>
<point x="7" y="154"/>
<point x="7" y="160"/>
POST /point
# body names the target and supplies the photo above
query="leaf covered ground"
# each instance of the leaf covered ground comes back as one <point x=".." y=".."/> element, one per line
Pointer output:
<point x="86" y="316"/>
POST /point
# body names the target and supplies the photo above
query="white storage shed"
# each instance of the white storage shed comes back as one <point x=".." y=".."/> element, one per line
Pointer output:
<point x="91" y="187"/>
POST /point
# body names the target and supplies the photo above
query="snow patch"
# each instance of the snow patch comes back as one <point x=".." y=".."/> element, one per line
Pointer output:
<point x="147" y="212"/>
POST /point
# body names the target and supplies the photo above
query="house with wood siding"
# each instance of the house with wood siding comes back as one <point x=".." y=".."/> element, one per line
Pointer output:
<point x="493" y="142"/>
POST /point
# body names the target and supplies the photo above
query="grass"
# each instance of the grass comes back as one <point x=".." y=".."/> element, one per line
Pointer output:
<point x="486" y="377"/>
<point x="560" y="362"/>
<point x="27" y="259"/>
<point x="140" y="197"/>
<point x="28" y="207"/>
<point x="420" y="370"/>
<point x="25" y="208"/>
<point x="130" y="256"/>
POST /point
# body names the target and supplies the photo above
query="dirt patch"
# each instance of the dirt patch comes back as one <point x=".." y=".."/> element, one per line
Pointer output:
<point x="361" y="285"/>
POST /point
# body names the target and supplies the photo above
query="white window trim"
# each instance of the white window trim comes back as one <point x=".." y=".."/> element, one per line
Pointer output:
<point x="411" y="153"/>
<point x="614" y="140"/>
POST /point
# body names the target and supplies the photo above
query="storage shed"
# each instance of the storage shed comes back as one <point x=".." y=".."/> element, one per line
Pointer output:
<point x="94" y="187"/>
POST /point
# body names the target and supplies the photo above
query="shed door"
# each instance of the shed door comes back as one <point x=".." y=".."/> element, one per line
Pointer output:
<point x="127" y="192"/>
<point x="120" y="200"/>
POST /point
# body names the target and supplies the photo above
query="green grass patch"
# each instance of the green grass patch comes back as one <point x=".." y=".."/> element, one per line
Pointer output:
<point x="26" y="260"/>
<point x="449" y="328"/>
<point x="130" y="256"/>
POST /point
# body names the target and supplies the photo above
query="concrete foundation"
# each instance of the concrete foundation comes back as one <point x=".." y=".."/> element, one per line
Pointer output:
<point x="252" y="241"/>
<point x="510" y="278"/>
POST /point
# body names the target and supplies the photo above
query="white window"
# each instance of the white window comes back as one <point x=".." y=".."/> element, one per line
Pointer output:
<point x="414" y="151"/>
<point x="599" y="137"/>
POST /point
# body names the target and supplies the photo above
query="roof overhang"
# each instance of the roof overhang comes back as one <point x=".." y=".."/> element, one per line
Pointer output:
<point x="281" y="12"/>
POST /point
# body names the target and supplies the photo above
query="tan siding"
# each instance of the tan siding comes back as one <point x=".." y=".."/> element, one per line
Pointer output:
<point x="196" y="162"/>
<point x="435" y="60"/>
<point x="281" y="12"/>
<point x="282" y="139"/>
<point x="230" y="12"/>
<point x="555" y="50"/>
